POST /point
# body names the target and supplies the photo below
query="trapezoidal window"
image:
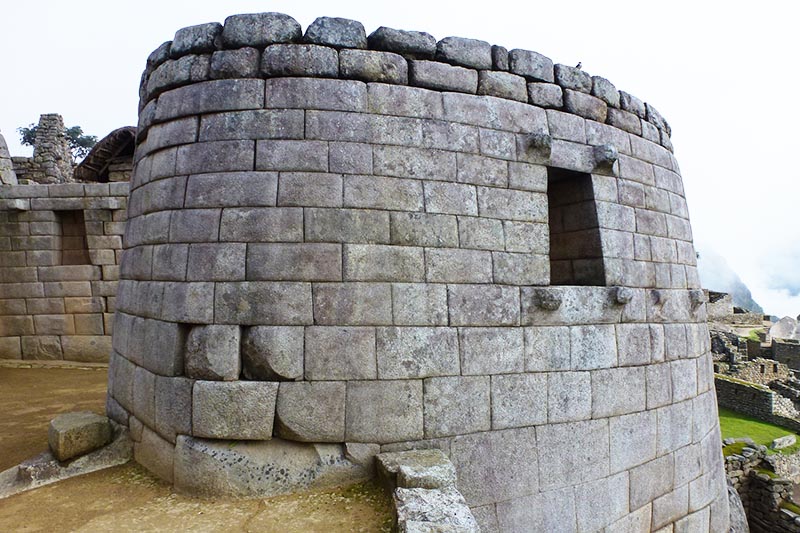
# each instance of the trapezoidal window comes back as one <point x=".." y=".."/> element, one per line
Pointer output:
<point x="576" y="255"/>
<point x="72" y="247"/>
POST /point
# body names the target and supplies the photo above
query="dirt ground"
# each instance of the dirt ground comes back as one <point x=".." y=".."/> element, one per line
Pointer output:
<point x="127" y="498"/>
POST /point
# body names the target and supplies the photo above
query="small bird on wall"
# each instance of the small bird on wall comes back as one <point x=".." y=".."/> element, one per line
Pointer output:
<point x="579" y="65"/>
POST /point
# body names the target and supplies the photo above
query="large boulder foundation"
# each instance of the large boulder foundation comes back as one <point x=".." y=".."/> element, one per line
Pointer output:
<point x="341" y="244"/>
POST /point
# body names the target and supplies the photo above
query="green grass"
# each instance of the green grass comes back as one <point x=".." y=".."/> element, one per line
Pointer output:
<point x="793" y="507"/>
<point x="753" y="335"/>
<point x="736" y="425"/>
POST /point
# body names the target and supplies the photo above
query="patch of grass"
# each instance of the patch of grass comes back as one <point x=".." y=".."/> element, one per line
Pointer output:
<point x="769" y="473"/>
<point x="733" y="449"/>
<point x="791" y="506"/>
<point x="736" y="425"/>
<point x="753" y="335"/>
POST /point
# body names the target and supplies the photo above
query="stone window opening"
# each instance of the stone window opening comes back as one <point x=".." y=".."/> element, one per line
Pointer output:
<point x="576" y="254"/>
<point x="72" y="248"/>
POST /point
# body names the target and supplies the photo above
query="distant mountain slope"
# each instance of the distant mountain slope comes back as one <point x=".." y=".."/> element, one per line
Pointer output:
<point x="717" y="275"/>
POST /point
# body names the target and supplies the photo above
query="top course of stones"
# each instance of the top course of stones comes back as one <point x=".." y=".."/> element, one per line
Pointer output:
<point x="268" y="45"/>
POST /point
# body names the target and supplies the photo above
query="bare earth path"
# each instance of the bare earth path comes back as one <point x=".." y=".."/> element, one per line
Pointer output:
<point x="127" y="498"/>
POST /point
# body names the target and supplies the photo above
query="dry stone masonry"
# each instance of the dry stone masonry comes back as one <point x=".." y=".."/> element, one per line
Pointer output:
<point x="379" y="243"/>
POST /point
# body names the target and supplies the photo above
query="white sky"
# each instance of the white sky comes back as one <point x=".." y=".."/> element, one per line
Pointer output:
<point x="724" y="76"/>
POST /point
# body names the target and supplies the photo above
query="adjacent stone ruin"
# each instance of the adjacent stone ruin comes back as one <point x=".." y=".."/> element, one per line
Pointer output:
<point x="339" y="244"/>
<point x="60" y="249"/>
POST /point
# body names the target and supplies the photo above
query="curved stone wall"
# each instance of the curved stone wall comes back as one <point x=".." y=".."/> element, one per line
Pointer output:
<point x="394" y="242"/>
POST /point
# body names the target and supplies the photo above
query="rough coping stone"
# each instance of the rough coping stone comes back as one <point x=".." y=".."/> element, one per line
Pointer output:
<point x="499" y="57"/>
<point x="531" y="65"/>
<point x="573" y="78"/>
<point x="425" y="469"/>
<point x="470" y="53"/>
<point x="300" y="60"/>
<point x="195" y="39"/>
<point x="502" y="85"/>
<point x="336" y="32"/>
<point x="415" y="43"/>
<point x="446" y="507"/>
<point x="442" y="77"/>
<point x="260" y="469"/>
<point x="259" y="30"/>
<point x="367" y="65"/>
<point x="74" y="434"/>
<point x="605" y="90"/>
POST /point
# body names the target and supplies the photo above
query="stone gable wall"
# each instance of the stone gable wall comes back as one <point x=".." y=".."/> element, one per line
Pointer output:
<point x="339" y="239"/>
<point x="51" y="310"/>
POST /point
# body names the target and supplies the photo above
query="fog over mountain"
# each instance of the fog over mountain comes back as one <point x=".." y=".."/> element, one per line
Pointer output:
<point x="717" y="275"/>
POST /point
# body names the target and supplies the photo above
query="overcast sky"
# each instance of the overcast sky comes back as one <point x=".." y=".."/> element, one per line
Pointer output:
<point x="725" y="78"/>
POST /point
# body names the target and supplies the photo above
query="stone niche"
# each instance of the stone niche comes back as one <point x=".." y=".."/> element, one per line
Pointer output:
<point x="339" y="244"/>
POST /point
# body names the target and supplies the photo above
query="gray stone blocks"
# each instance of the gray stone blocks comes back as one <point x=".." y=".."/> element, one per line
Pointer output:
<point x="384" y="411"/>
<point x="233" y="410"/>
<point x="417" y="352"/>
<point x="311" y="411"/>
<point x="340" y="353"/>
<point x="372" y="220"/>
<point x="305" y="60"/>
<point x="384" y="67"/>
<point x="442" y="77"/>
<point x="412" y="43"/>
<point x="259" y="29"/>
<point x="212" y="352"/>
<point x="273" y="353"/>
<point x="456" y="405"/>
<point x="337" y="32"/>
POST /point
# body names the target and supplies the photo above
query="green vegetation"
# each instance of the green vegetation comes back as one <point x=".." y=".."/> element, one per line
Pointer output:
<point x="736" y="425"/>
<point x="791" y="506"/>
<point x="79" y="144"/>
<point x="753" y="335"/>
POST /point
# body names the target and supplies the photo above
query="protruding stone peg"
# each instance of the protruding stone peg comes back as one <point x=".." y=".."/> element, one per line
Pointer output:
<point x="541" y="142"/>
<point x="605" y="155"/>
<point x="697" y="297"/>
<point x="546" y="299"/>
<point x="623" y="295"/>
<point x="658" y="296"/>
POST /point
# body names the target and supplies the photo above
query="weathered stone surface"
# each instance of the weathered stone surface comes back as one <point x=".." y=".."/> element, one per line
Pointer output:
<point x="486" y="351"/>
<point x="632" y="104"/>
<point x="72" y="434"/>
<point x="419" y="304"/>
<point x="366" y="65"/>
<point x="587" y="462"/>
<point x="294" y="262"/>
<point x="384" y="411"/>
<point x="483" y="305"/>
<point x="340" y="353"/>
<point x="545" y="95"/>
<point x="442" y="77"/>
<point x="259" y="30"/>
<point x="605" y="90"/>
<point x="311" y="411"/>
<point x="336" y="32"/>
<point x="242" y="63"/>
<point x="531" y="65"/>
<point x="195" y="39"/>
<point x="300" y="60"/>
<point x="502" y="85"/>
<point x="585" y="105"/>
<point x="405" y="353"/>
<point x="488" y="465"/>
<point x="569" y="396"/>
<point x="375" y="262"/>
<point x="519" y="400"/>
<point x="272" y="353"/>
<point x="573" y="78"/>
<point x="233" y="410"/>
<point x="425" y="469"/>
<point x="414" y="43"/>
<point x="260" y="469"/>
<point x="361" y="304"/>
<point x="444" y="509"/>
<point x="212" y="352"/>
<point x="456" y="405"/>
<point x="470" y="53"/>
<point x="783" y="442"/>
<point x="263" y="303"/>
<point x="499" y="58"/>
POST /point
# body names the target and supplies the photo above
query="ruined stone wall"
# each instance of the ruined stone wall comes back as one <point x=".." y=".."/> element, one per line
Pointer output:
<point x="7" y="174"/>
<point x="51" y="155"/>
<point x="762" y="491"/>
<point x="59" y="250"/>
<point x="787" y="352"/>
<point x="757" y="401"/>
<point x="328" y="243"/>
